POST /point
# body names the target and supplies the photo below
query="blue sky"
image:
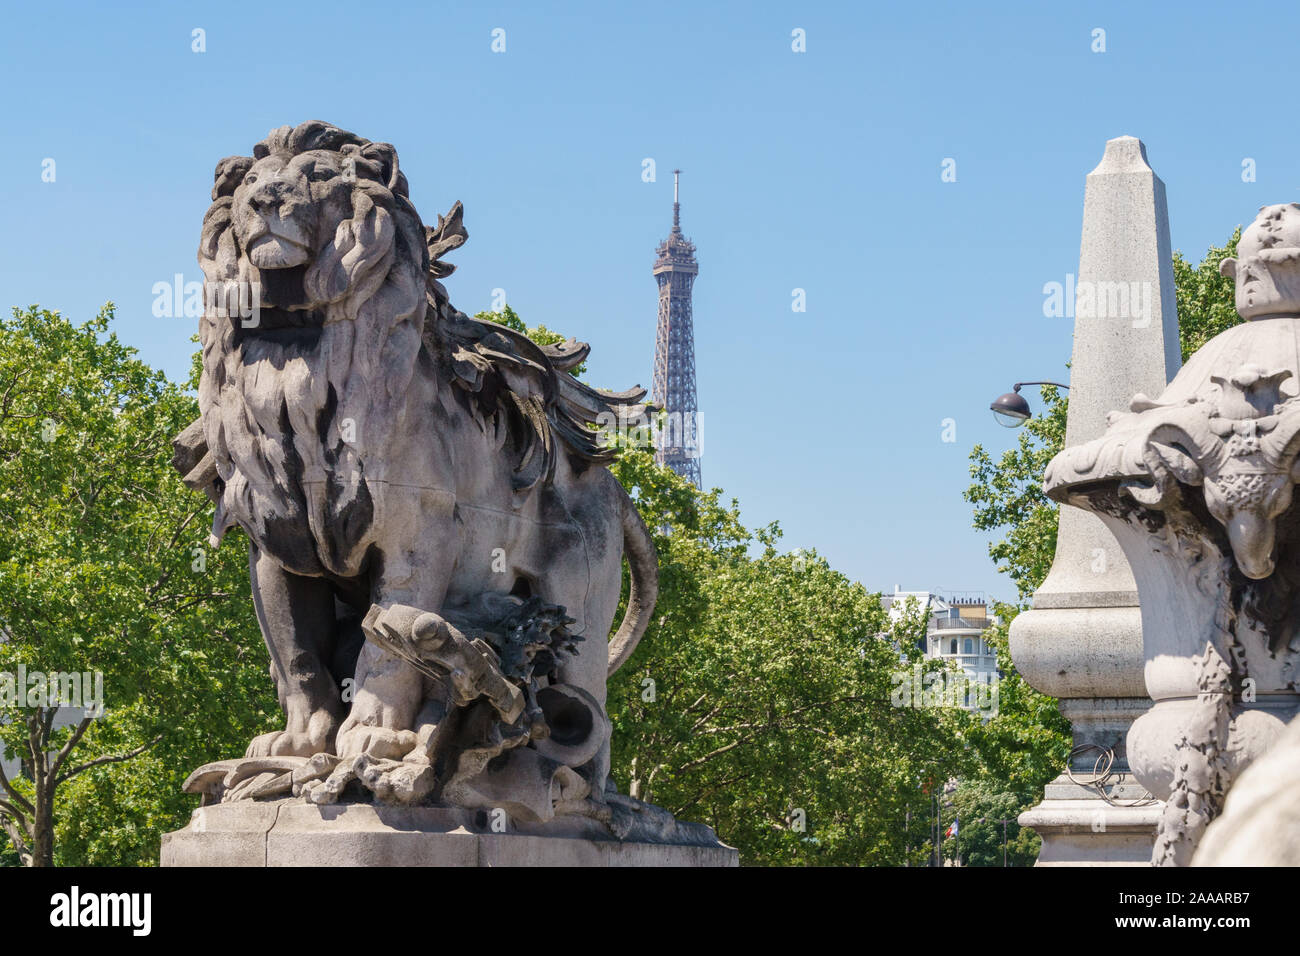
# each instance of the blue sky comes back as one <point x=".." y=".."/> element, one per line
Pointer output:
<point x="817" y="170"/>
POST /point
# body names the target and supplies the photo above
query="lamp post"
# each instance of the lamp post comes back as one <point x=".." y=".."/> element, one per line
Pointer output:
<point x="1011" y="410"/>
<point x="907" y="837"/>
<point x="938" y="828"/>
<point x="950" y="787"/>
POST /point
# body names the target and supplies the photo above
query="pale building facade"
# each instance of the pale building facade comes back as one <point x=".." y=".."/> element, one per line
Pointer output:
<point x="955" y="631"/>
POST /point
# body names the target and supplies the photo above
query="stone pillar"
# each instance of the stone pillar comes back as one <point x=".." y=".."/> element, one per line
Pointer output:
<point x="1082" y="640"/>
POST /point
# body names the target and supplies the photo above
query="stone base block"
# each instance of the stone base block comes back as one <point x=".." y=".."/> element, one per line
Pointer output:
<point x="1079" y="828"/>
<point x="291" y="833"/>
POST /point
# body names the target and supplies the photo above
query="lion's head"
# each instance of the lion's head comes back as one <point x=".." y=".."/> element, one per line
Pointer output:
<point x="316" y="241"/>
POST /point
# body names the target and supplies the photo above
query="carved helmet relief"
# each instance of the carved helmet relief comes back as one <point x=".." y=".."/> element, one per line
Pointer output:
<point x="1267" y="266"/>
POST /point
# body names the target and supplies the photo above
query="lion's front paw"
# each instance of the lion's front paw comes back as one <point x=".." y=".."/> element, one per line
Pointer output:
<point x="285" y="743"/>
<point x="376" y="742"/>
<point x="391" y="781"/>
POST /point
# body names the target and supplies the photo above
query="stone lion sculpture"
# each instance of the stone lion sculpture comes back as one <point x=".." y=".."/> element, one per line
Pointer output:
<point x="436" y="546"/>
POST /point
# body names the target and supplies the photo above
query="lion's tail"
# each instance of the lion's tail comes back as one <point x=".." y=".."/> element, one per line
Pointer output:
<point x="643" y="562"/>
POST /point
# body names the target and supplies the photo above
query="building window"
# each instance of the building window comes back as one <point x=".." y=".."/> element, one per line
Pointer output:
<point x="953" y="648"/>
<point x="970" y="646"/>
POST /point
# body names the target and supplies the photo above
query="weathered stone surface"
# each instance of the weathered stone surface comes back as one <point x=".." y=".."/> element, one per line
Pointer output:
<point x="1197" y="487"/>
<point x="224" y="839"/>
<point x="289" y="833"/>
<point x="1079" y="829"/>
<point x="1260" y="825"/>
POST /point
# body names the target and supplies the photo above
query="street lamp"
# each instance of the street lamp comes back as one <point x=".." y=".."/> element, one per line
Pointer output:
<point x="1011" y="410"/>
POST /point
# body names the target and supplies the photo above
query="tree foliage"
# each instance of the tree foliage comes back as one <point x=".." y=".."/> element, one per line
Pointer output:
<point x="759" y="701"/>
<point x="987" y="821"/>
<point x="1026" y="742"/>
<point x="104" y="568"/>
<point x="1206" y="300"/>
<point x="1009" y="494"/>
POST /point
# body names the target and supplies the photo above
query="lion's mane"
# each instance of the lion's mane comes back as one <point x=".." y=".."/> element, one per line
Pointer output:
<point x="285" y="416"/>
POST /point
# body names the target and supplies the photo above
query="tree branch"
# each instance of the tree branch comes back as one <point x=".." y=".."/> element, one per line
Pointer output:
<point x="71" y="742"/>
<point x="10" y="810"/>
<point x="180" y="529"/>
<point x="681" y="809"/>
<point x="115" y="758"/>
<point x="14" y="795"/>
<point x="19" y="837"/>
<point x="36" y="750"/>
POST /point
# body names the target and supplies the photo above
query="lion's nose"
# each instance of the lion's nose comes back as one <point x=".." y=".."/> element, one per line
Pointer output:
<point x="269" y="195"/>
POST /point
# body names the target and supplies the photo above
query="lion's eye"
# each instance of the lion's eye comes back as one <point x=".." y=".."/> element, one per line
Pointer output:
<point x="250" y="179"/>
<point x="318" y="174"/>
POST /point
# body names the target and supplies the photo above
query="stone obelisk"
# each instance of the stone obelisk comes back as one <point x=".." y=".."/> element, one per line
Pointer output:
<point x="1082" y="640"/>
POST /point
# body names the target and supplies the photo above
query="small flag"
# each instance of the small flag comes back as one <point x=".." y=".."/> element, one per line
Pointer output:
<point x="952" y="830"/>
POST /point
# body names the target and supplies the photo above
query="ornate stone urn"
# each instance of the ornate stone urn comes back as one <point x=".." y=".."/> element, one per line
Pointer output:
<point x="1197" y="486"/>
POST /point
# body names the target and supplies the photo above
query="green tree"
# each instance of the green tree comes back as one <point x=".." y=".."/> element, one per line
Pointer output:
<point x="760" y="700"/>
<point x="1206" y="300"/>
<point x="1009" y="494"/>
<point x="104" y="567"/>
<point x="985" y="815"/>
<point x="1025" y="743"/>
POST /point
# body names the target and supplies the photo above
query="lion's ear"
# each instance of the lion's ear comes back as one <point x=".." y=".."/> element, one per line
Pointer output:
<point x="229" y="174"/>
<point x="386" y="156"/>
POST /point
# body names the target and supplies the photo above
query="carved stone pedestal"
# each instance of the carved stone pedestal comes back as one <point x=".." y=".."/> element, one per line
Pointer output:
<point x="292" y="833"/>
<point x="1103" y="816"/>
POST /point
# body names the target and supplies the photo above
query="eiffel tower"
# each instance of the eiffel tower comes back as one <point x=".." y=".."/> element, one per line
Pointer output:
<point x="675" y="270"/>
